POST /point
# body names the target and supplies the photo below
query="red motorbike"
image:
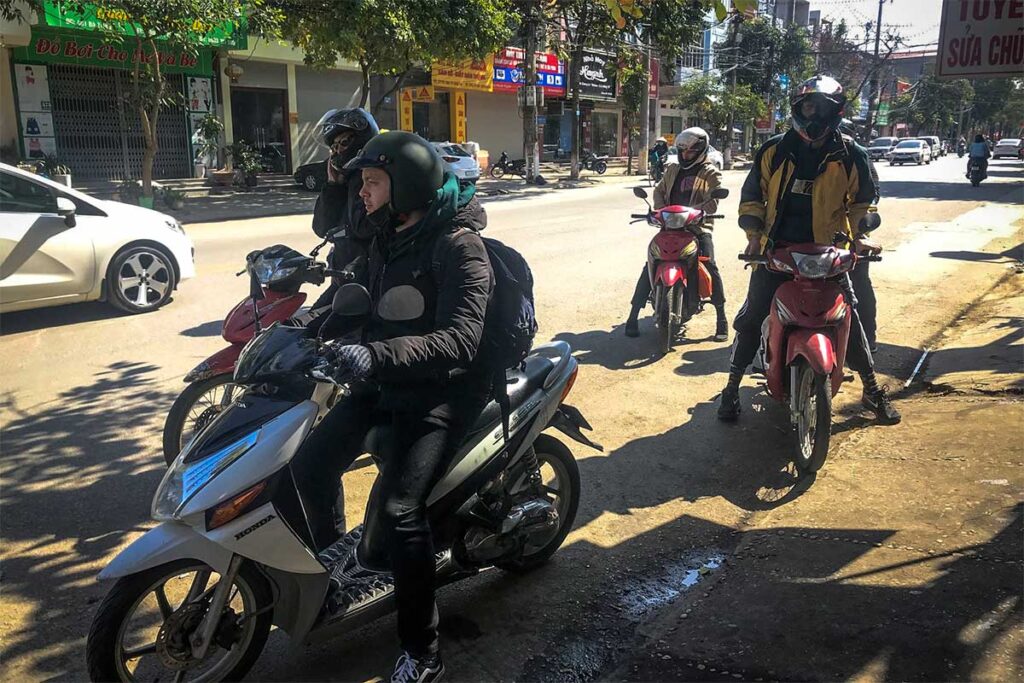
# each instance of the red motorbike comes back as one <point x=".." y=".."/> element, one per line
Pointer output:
<point x="277" y="274"/>
<point x="670" y="265"/>
<point x="805" y="338"/>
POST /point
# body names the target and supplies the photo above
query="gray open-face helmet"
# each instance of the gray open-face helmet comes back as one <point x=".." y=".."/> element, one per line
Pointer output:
<point x="337" y="121"/>
<point x="693" y="139"/>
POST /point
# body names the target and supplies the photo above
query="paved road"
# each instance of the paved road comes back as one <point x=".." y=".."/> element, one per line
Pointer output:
<point x="85" y="392"/>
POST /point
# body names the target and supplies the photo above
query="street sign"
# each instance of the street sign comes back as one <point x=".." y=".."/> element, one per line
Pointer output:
<point x="981" y="39"/>
<point x="882" y="118"/>
<point x="459" y="116"/>
<point x="422" y="93"/>
<point x="405" y="110"/>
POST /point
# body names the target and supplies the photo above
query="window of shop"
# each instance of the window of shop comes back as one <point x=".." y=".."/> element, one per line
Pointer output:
<point x="605" y="128"/>
<point x="671" y="126"/>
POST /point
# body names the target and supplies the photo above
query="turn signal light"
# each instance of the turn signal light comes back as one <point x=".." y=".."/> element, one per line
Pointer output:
<point x="228" y="510"/>
<point x="568" y="385"/>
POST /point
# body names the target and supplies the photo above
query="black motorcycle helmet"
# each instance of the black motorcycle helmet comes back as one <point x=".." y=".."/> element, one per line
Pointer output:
<point x="336" y="121"/>
<point x="830" y="102"/>
<point x="413" y="165"/>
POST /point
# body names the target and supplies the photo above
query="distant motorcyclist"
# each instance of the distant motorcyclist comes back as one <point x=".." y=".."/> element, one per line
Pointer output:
<point x="961" y="146"/>
<point x="657" y="157"/>
<point x="689" y="182"/>
<point x="979" y="151"/>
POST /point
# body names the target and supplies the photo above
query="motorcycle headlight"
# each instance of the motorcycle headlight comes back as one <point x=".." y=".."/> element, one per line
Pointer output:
<point x="184" y="480"/>
<point x="814" y="266"/>
<point x="674" y="221"/>
<point x="270" y="270"/>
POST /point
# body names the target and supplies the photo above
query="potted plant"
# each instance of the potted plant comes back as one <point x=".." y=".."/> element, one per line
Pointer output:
<point x="247" y="164"/>
<point x="55" y="170"/>
<point x="206" y="135"/>
<point x="174" y="199"/>
<point x="129" y="191"/>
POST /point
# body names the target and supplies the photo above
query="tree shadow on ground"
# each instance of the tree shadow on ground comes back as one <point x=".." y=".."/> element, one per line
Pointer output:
<point x="209" y="329"/>
<point x="77" y="477"/>
<point x="1005" y="257"/>
<point x="58" y="316"/>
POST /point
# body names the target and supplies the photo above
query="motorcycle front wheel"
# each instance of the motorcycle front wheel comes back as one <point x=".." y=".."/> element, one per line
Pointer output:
<point x="497" y="172"/>
<point x="600" y="167"/>
<point x="141" y="630"/>
<point x="668" y="327"/>
<point x="813" y="419"/>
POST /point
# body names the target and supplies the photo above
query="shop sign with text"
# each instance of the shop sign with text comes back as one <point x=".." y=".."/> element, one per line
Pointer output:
<point x="597" y="76"/>
<point x="981" y="38"/>
<point x="86" y="50"/>
<point x="509" y="75"/>
<point x="474" y="74"/>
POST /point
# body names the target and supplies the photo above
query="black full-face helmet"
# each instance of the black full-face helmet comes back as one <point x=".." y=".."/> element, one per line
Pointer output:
<point x="413" y="165"/>
<point x="829" y="102"/>
<point x="337" y="121"/>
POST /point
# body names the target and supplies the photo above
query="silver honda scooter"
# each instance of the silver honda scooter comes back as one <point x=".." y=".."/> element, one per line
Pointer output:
<point x="233" y="554"/>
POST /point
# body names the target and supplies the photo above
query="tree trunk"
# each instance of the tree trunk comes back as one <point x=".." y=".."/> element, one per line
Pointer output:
<point x="394" y="88"/>
<point x="364" y="95"/>
<point x="574" y="115"/>
<point x="149" y="112"/>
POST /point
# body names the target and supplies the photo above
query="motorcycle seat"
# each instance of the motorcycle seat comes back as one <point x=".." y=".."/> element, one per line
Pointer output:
<point x="521" y="382"/>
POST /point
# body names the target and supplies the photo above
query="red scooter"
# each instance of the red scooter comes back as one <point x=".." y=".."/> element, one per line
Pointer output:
<point x="805" y="338"/>
<point x="276" y="274"/>
<point x="670" y="260"/>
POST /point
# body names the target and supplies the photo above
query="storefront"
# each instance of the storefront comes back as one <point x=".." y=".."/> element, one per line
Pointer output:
<point x="72" y="91"/>
<point x="600" y="113"/>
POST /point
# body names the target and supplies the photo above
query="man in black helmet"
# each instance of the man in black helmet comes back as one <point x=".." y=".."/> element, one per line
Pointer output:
<point x="805" y="186"/>
<point x="413" y="374"/>
<point x="338" y="208"/>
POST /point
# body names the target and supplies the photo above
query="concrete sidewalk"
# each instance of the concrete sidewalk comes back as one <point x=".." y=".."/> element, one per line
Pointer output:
<point x="902" y="561"/>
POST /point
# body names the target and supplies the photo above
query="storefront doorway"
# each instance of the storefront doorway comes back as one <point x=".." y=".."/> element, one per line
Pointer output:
<point x="258" y="118"/>
<point x="432" y="120"/>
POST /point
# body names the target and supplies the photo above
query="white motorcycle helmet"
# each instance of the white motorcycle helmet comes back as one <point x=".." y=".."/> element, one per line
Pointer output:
<point x="696" y="140"/>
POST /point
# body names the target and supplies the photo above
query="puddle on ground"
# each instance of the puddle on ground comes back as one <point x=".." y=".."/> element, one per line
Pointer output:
<point x="642" y="594"/>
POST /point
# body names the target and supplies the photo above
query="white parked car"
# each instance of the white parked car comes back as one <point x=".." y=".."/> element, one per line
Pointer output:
<point x="880" y="148"/>
<point x="60" y="246"/>
<point x="458" y="160"/>
<point x="911" y="152"/>
<point x="1007" y="147"/>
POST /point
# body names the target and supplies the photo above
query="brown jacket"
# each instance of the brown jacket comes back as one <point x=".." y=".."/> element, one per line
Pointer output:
<point x="708" y="178"/>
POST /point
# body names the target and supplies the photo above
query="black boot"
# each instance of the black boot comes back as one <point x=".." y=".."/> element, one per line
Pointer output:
<point x="722" y="326"/>
<point x="876" y="399"/>
<point x="632" y="325"/>
<point x="729" y="407"/>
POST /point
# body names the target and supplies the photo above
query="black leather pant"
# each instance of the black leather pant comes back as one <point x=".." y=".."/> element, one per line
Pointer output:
<point x="414" y="450"/>
<point x="867" y="305"/>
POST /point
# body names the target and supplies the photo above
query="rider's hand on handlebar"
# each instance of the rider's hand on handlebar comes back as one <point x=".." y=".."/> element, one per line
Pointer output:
<point x="753" y="246"/>
<point x="346" y="362"/>
<point x="865" y="246"/>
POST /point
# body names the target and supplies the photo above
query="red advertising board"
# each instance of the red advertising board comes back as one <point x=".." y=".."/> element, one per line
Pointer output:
<point x="508" y="71"/>
<point x="655" y="73"/>
<point x="981" y="38"/>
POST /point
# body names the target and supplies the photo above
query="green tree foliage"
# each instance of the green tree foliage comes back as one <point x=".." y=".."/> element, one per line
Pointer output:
<point x="142" y="24"/>
<point x="766" y="52"/>
<point x="710" y="101"/>
<point x="998" y="105"/>
<point x="932" y="106"/>
<point x="633" y="87"/>
<point x="389" y="37"/>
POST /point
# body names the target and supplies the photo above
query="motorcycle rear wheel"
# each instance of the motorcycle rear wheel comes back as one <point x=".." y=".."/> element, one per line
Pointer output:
<point x="560" y="480"/>
<point x="146" y="593"/>
<point x="196" y="406"/>
<point x="814" y="421"/>
<point x="497" y="172"/>
<point x="600" y="167"/>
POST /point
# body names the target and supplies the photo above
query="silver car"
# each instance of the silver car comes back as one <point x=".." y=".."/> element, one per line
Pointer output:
<point x="911" y="152"/>
<point x="458" y="161"/>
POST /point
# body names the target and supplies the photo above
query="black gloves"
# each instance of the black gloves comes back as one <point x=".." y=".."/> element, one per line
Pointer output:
<point x="349" y="362"/>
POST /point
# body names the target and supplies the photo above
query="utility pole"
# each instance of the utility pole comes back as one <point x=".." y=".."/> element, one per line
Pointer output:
<point x="727" y="152"/>
<point x="531" y="152"/>
<point x="645" y="115"/>
<point x="873" y="94"/>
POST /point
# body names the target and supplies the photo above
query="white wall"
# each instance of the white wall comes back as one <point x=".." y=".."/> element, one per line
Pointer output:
<point x="316" y="92"/>
<point x="261" y="74"/>
<point x="493" y="121"/>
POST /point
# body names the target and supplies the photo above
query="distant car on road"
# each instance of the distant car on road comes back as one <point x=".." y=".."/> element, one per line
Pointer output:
<point x="61" y="246"/>
<point x="1007" y="147"/>
<point x="911" y="151"/>
<point x="312" y="176"/>
<point x="933" y="144"/>
<point x="881" y="147"/>
<point x="457" y="160"/>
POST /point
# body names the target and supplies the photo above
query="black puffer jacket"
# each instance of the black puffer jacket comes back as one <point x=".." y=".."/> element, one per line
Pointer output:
<point x="339" y="206"/>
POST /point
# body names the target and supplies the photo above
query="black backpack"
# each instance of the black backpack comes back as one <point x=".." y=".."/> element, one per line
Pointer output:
<point x="510" y="323"/>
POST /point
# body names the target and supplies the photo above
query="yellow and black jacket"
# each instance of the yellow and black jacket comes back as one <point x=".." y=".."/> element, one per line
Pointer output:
<point x="842" y="194"/>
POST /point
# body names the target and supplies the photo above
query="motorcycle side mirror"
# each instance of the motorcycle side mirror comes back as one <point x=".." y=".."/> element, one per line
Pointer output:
<point x="869" y="222"/>
<point x="720" y="193"/>
<point x="640" y="192"/>
<point x="351" y="299"/>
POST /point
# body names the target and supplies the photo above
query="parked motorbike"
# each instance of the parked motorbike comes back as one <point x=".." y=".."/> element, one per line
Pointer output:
<point x="670" y="264"/>
<point x="805" y="338"/>
<point x="977" y="172"/>
<point x="598" y="163"/>
<point x="505" y="165"/>
<point x="232" y="553"/>
<point x="961" y="149"/>
<point x="280" y="272"/>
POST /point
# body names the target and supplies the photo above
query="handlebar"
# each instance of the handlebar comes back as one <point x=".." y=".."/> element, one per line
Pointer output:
<point x="715" y="215"/>
<point x="753" y="258"/>
<point x="638" y="215"/>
